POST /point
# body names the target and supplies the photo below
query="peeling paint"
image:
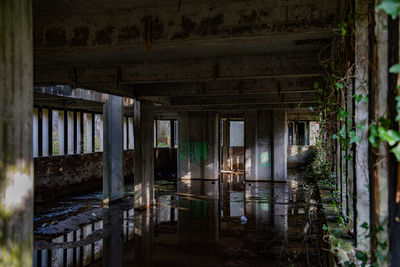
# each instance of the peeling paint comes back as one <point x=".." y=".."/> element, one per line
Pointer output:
<point x="56" y="37"/>
<point x="210" y="25"/>
<point x="188" y="26"/>
<point x="105" y="35"/>
<point x="81" y="35"/>
<point x="129" y="32"/>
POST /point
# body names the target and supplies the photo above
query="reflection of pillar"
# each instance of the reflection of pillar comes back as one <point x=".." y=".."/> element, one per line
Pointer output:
<point x="198" y="223"/>
<point x="280" y="209"/>
<point x="143" y="237"/>
<point x="112" y="242"/>
<point x="113" y="172"/>
<point x="16" y="166"/>
<point x="144" y="155"/>
<point x="198" y="145"/>
<point x="258" y="204"/>
<point x="280" y="146"/>
<point x="258" y="145"/>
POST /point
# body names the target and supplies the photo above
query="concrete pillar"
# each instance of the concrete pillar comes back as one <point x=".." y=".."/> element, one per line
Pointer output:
<point x="258" y="145"/>
<point x="78" y="133"/>
<point x="35" y="132"/>
<point x="61" y="136"/>
<point x="16" y="108"/>
<point x="280" y="146"/>
<point x="70" y="132"/>
<point x="101" y="133"/>
<point x="198" y="145"/>
<point x="381" y="173"/>
<point x="113" y="169"/>
<point x="88" y="132"/>
<point x="125" y="135"/>
<point x="131" y="140"/>
<point x="144" y="155"/>
<point x="45" y="132"/>
<point x="362" y="199"/>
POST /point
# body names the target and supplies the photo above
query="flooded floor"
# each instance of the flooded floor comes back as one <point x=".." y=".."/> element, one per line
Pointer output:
<point x="194" y="223"/>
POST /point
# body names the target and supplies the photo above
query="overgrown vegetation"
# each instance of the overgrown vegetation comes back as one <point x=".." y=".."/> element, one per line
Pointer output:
<point x="337" y="128"/>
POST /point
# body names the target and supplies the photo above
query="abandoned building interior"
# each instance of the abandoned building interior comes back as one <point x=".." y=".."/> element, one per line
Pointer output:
<point x="199" y="133"/>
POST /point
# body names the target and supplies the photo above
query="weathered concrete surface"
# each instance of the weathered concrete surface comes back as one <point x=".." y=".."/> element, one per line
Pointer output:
<point x="362" y="198"/>
<point x="147" y="26"/>
<point x="62" y="175"/>
<point x="198" y="145"/>
<point x="279" y="166"/>
<point x="258" y="145"/>
<point x="113" y="137"/>
<point x="16" y="108"/>
<point x="144" y="154"/>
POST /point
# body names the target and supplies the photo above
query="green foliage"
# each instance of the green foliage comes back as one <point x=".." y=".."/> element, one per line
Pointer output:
<point x="391" y="7"/>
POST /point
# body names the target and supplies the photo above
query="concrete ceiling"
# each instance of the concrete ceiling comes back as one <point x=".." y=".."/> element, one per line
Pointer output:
<point x="120" y="46"/>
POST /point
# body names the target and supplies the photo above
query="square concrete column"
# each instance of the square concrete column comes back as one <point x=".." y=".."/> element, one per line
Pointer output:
<point x="113" y="169"/>
<point x="258" y="145"/>
<point x="16" y="109"/>
<point x="280" y="146"/>
<point x="198" y="145"/>
<point x="144" y="154"/>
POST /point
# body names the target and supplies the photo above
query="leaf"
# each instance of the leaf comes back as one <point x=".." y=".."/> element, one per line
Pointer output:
<point x="361" y="127"/>
<point x="365" y="225"/>
<point x="396" y="152"/>
<point x="311" y="109"/>
<point x="339" y="85"/>
<point x="354" y="138"/>
<point x="395" y="68"/>
<point x="391" y="7"/>
<point x="390" y="136"/>
<point x="335" y="136"/>
<point x="358" y="98"/>
<point x="316" y="85"/>
<point x="379" y="255"/>
<point x="343" y="114"/>
<point x="383" y="245"/>
<point x="348" y="157"/>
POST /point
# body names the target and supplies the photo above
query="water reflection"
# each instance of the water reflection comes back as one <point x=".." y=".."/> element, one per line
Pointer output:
<point x="200" y="224"/>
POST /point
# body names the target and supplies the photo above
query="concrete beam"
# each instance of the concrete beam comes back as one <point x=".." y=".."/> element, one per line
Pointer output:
<point x="102" y="77"/>
<point x="224" y="87"/>
<point x="113" y="169"/>
<point x="16" y="109"/>
<point x="165" y="28"/>
<point x="305" y="98"/>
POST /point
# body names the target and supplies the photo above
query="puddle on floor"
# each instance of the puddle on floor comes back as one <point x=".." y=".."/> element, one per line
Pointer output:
<point x="196" y="223"/>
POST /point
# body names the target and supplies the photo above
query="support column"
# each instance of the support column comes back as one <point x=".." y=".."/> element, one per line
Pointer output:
<point x="113" y="169"/>
<point x="70" y="136"/>
<point x="61" y="132"/>
<point x="16" y="108"/>
<point x="198" y="156"/>
<point x="381" y="103"/>
<point x="144" y="155"/>
<point x="280" y="146"/>
<point x="258" y="145"/>
<point x="362" y="199"/>
<point x="45" y="133"/>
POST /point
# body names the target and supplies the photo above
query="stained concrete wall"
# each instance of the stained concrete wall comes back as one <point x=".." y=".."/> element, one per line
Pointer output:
<point x="258" y="145"/>
<point x="61" y="175"/>
<point x="198" y="145"/>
